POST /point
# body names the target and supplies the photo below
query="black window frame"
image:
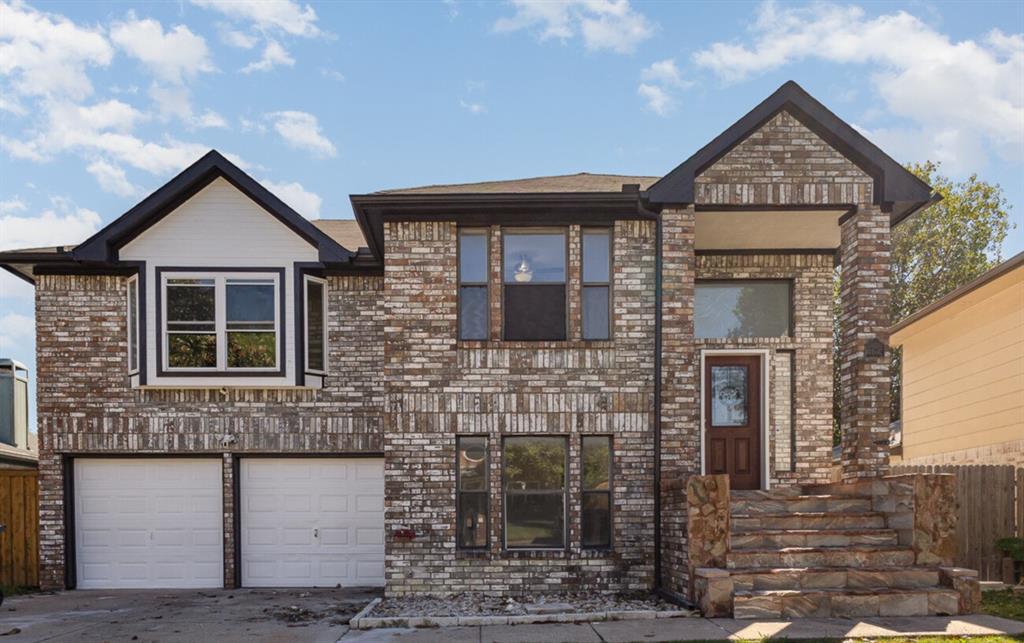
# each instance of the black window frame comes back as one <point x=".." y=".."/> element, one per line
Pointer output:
<point x="485" y="493"/>
<point x="584" y="492"/>
<point x="322" y="283"/>
<point x="607" y="285"/>
<point x="505" y="493"/>
<point x="484" y="285"/>
<point x="564" y="231"/>
<point x="132" y="313"/>
<point x="791" y="304"/>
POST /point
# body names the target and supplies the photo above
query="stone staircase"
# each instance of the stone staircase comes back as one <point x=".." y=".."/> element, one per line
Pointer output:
<point x="796" y="553"/>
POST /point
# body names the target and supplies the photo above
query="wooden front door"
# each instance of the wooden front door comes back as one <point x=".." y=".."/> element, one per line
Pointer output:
<point x="732" y="418"/>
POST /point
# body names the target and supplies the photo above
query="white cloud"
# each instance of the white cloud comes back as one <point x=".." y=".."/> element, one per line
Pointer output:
<point x="15" y="331"/>
<point x="301" y="130"/>
<point x="9" y="206"/>
<point x="332" y="74"/>
<point x="273" y="55"/>
<point x="173" y="56"/>
<point x="211" y="119"/>
<point x="473" y="108"/>
<point x="299" y="198"/>
<point x="658" y="100"/>
<point x="12" y="287"/>
<point x="603" y="24"/>
<point x="266" y="15"/>
<point x="63" y="223"/>
<point x="237" y="38"/>
<point x="47" y="55"/>
<point x="955" y="92"/>
<point x="111" y="178"/>
<point x="664" y="72"/>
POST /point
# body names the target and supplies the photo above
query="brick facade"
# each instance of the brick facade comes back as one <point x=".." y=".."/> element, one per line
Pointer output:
<point x="86" y="405"/>
<point x="402" y="385"/>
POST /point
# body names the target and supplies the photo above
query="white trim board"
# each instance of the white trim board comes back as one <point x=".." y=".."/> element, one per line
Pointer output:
<point x="765" y="355"/>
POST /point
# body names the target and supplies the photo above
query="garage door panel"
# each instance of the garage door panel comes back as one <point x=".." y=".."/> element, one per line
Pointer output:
<point x="154" y="522"/>
<point x="301" y="529"/>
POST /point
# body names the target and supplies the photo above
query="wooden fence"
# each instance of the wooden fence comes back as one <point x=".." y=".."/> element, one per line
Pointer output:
<point x="990" y="501"/>
<point x="19" y="511"/>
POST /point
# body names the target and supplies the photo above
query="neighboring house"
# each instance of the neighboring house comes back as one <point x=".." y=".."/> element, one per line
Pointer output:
<point x="18" y="445"/>
<point x="497" y="386"/>
<point x="963" y="373"/>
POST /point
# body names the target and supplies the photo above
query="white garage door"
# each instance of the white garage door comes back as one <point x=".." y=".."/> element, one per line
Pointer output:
<point x="312" y="522"/>
<point x="148" y="522"/>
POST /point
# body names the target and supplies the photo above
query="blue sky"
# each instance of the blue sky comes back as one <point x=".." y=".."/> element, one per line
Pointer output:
<point x="102" y="102"/>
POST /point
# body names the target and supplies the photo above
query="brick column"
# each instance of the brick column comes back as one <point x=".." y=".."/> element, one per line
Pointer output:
<point x="864" y="320"/>
<point x="680" y="437"/>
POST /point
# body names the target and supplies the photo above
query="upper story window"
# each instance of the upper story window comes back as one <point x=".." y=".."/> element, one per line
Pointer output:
<point x="533" y="271"/>
<point x="221" y="322"/>
<point x="132" y="312"/>
<point x="742" y="308"/>
<point x="596" y="284"/>
<point x="316" y="324"/>
<point x="473" y="279"/>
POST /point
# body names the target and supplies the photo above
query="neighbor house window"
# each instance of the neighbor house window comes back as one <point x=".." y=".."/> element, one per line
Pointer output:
<point x="596" y="284"/>
<point x="535" y="487"/>
<point x="316" y="324"/>
<point x="221" y="322"/>
<point x="471" y="485"/>
<point x="133" y="324"/>
<point x="742" y="308"/>
<point x="596" y="513"/>
<point x="473" y="299"/>
<point x="534" y="284"/>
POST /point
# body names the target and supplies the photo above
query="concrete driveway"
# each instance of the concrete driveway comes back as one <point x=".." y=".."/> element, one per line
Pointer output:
<point x="316" y="615"/>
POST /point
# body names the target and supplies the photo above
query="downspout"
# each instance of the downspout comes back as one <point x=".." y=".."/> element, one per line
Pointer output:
<point x="657" y="404"/>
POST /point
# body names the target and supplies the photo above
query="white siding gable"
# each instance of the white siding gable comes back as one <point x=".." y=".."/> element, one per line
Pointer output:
<point x="218" y="227"/>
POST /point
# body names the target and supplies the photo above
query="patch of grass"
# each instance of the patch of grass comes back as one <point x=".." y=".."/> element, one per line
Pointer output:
<point x="1003" y="603"/>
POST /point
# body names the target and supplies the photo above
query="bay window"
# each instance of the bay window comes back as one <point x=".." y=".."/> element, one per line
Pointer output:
<point x="221" y="322"/>
<point x="535" y="489"/>
<point x="533" y="271"/>
<point x="316" y="324"/>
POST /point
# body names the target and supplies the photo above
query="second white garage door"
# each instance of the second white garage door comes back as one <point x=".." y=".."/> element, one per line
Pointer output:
<point x="312" y="522"/>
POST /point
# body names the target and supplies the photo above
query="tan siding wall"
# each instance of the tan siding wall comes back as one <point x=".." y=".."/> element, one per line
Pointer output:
<point x="963" y="372"/>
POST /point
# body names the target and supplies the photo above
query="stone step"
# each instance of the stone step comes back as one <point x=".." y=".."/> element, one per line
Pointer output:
<point x="809" y="520"/>
<point x="846" y="603"/>
<point x="768" y="538"/>
<point x="800" y="504"/>
<point x="777" y="578"/>
<point x="853" y="556"/>
<point x="777" y="492"/>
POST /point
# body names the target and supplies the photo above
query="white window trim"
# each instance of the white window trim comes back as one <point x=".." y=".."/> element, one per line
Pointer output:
<point x="305" y="323"/>
<point x="765" y="355"/>
<point x="133" y="337"/>
<point x="220" y="321"/>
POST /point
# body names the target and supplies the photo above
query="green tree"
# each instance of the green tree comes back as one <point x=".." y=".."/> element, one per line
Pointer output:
<point x="938" y="250"/>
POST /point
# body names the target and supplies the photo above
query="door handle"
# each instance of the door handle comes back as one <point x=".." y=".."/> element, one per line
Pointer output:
<point x="316" y="532"/>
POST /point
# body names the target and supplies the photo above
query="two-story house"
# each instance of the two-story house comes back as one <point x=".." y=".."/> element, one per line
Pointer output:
<point x="498" y="387"/>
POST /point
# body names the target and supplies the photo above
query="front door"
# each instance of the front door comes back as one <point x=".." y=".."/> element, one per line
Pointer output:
<point x="732" y="418"/>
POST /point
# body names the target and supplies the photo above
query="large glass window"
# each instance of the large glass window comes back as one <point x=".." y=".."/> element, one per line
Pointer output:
<point x="742" y="308"/>
<point x="316" y="324"/>
<point x="472" y="505"/>
<point x="596" y="513"/>
<point x="473" y="273"/>
<point x="535" y="492"/>
<point x="133" y="324"/>
<point x="533" y="270"/>
<point x="221" y="322"/>
<point x="596" y="284"/>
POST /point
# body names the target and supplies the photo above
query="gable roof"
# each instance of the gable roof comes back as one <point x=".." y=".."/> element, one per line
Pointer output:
<point x="579" y="182"/>
<point x="102" y="247"/>
<point x="895" y="186"/>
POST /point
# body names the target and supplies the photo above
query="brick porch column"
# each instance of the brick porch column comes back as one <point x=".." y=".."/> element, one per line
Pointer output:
<point x="680" y="438"/>
<point x="864" y="357"/>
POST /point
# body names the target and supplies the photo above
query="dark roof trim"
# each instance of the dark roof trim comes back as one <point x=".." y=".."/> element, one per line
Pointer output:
<point x="102" y="247"/>
<point x="548" y="208"/>
<point x="894" y="184"/>
<point x="1006" y="267"/>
